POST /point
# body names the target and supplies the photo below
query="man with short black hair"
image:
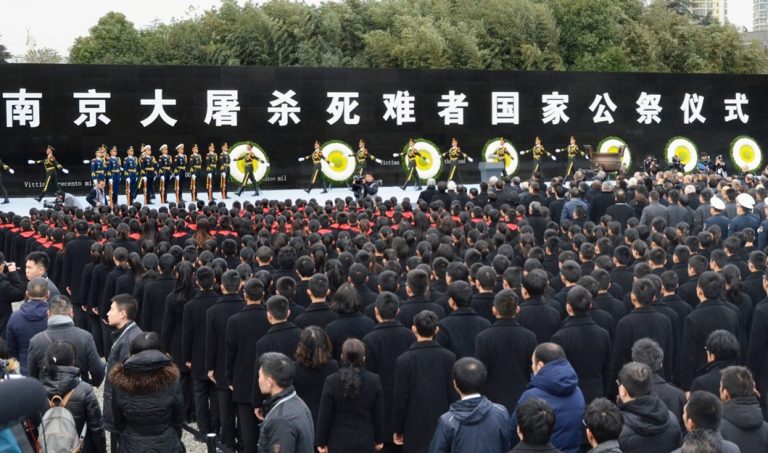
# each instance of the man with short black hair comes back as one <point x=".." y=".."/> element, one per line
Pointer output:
<point x="229" y="304"/>
<point x="423" y="386"/>
<point x="710" y="315"/>
<point x="642" y="322"/>
<point x="482" y="301"/>
<point x="722" y="350"/>
<point x="535" y="423"/>
<point x="287" y="423"/>
<point x="742" y="421"/>
<point x="537" y="314"/>
<point x="506" y="348"/>
<point x="703" y="413"/>
<point x="77" y="255"/>
<point x="648" y="425"/>
<point x="473" y="423"/>
<point x="570" y="272"/>
<point x="318" y="313"/>
<point x="555" y="381"/>
<point x="459" y="329"/>
<point x="36" y="266"/>
<point x="417" y="288"/>
<point x="29" y="320"/>
<point x="650" y="353"/>
<point x="587" y="345"/>
<point x="603" y="423"/>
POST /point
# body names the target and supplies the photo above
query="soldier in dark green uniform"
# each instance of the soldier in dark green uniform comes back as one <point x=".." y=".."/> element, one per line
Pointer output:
<point x="180" y="171"/>
<point x="211" y="164"/>
<point x="362" y="156"/>
<point x="224" y="161"/>
<point x="248" y="159"/>
<point x="165" y="168"/>
<point x="454" y="155"/>
<point x="51" y="172"/>
<point x="147" y="168"/>
<point x="573" y="150"/>
<point x="195" y="170"/>
<point x="410" y="157"/>
<point x="538" y="153"/>
<point x="317" y="167"/>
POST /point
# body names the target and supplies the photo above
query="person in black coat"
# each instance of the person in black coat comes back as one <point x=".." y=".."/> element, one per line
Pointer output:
<point x="229" y="304"/>
<point x="757" y="356"/>
<point x="61" y="378"/>
<point x="417" y="286"/>
<point x="147" y="404"/>
<point x="383" y="345"/>
<point x="482" y="301"/>
<point x="537" y="221"/>
<point x="423" y="386"/>
<point x="742" y="421"/>
<point x="193" y="350"/>
<point x="537" y="314"/>
<point x="429" y="192"/>
<point x="282" y="337"/>
<point x="459" y="330"/>
<point x="358" y="276"/>
<point x="313" y="364"/>
<point x="351" y="416"/>
<point x="650" y="353"/>
<point x="587" y="345"/>
<point x="12" y="290"/>
<point x="506" y="348"/>
<point x="722" y="349"/>
<point x="710" y="315"/>
<point x="155" y="292"/>
<point x="601" y="202"/>
<point x="318" y="313"/>
<point x="621" y="211"/>
<point x="642" y="322"/>
<point x="77" y="255"/>
<point x="243" y="331"/>
<point x="351" y="323"/>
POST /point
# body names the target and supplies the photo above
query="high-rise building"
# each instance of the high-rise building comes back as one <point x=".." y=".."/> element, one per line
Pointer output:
<point x="760" y="15"/>
<point x="716" y="10"/>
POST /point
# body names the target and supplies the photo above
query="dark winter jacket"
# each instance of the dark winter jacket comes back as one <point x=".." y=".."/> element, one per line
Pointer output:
<point x="26" y="322"/>
<point x="83" y="403"/>
<point x="147" y="405"/>
<point x="557" y="384"/>
<point x="287" y="426"/>
<point x="118" y="353"/>
<point x="472" y="425"/>
<point x="743" y="424"/>
<point x="648" y="426"/>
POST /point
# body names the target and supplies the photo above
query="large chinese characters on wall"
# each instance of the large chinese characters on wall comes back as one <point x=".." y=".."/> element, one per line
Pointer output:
<point x="284" y="110"/>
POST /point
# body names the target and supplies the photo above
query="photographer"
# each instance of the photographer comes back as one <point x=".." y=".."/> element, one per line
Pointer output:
<point x="63" y="200"/>
<point x="365" y="186"/>
<point x="721" y="168"/>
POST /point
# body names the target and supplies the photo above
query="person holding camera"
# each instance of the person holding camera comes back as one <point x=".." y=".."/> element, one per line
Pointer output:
<point x="365" y="186"/>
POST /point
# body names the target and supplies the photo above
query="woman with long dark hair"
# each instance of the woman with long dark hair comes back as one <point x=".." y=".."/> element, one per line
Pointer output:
<point x="734" y="293"/>
<point x="61" y="379"/>
<point x="313" y="365"/>
<point x="184" y="289"/>
<point x="352" y="406"/>
<point x="147" y="405"/>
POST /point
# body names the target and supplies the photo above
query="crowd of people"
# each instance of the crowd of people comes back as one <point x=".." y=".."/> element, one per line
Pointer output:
<point x="602" y="316"/>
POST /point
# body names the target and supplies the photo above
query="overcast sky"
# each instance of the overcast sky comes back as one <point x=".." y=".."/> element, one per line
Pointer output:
<point x="56" y="24"/>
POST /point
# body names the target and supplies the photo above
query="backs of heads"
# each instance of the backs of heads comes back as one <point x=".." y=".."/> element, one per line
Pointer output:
<point x="314" y="348"/>
<point x="535" y="420"/>
<point x="644" y="291"/>
<point x="702" y="441"/>
<point x="737" y="381"/>
<point x="277" y="367"/>
<point x="60" y="305"/>
<point x="461" y="293"/>
<point x="536" y="282"/>
<point x="711" y="284"/>
<point x="37" y="288"/>
<point x="636" y="378"/>
<point x="358" y="274"/>
<point x="346" y="300"/>
<point x="548" y="352"/>
<point x="426" y="322"/>
<point x="418" y="282"/>
<point x="230" y="282"/>
<point x="59" y="353"/>
<point x="205" y="277"/>
<point x="723" y="345"/>
<point x="145" y="341"/>
<point x="387" y="304"/>
<point x="604" y="420"/>
<point x="571" y="271"/>
<point x="469" y="375"/>
<point x="278" y="307"/>
<point x="166" y="263"/>
<point x="353" y="353"/>
<point x="318" y="285"/>
<point x="254" y="289"/>
<point x="648" y="352"/>
<point x="704" y="409"/>
<point x="579" y="299"/>
<point x="486" y="278"/>
<point x="505" y="303"/>
<point x="286" y="286"/>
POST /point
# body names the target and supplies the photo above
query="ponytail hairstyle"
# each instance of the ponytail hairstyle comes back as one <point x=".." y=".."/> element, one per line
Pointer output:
<point x="352" y="360"/>
<point x="60" y="353"/>
<point x="733" y="283"/>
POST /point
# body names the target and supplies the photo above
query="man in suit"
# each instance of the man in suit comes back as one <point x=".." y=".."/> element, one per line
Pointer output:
<point x="423" y="386"/>
<point x="77" y="254"/>
<point x="601" y="202"/>
<point x="229" y="304"/>
<point x="711" y="314"/>
<point x="193" y="338"/>
<point x="676" y="211"/>
<point x="383" y="345"/>
<point x="459" y="329"/>
<point x="653" y="210"/>
<point x="587" y="345"/>
<point x="97" y="197"/>
<point x="506" y="348"/>
<point x="243" y="331"/>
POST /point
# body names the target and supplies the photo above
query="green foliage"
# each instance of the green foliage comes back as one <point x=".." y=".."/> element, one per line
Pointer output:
<point x="4" y="54"/>
<point x="43" y="55"/>
<point x="581" y="35"/>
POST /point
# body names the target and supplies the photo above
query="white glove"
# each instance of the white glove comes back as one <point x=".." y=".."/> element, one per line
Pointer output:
<point x="301" y="159"/>
<point x="552" y="157"/>
<point x="470" y="159"/>
<point x="144" y="178"/>
<point x="86" y="161"/>
<point x="557" y="150"/>
<point x="395" y="154"/>
<point x="94" y="181"/>
<point x="587" y="156"/>
<point x="379" y="161"/>
<point x="178" y="178"/>
<point x="210" y="175"/>
<point x="266" y="164"/>
<point x="30" y="161"/>
<point x="11" y="171"/>
<point x="65" y="171"/>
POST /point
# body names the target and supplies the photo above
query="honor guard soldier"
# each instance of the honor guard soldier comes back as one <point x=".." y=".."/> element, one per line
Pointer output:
<point x="248" y="159"/>
<point x="317" y="166"/>
<point x="195" y="170"/>
<point x="114" y="172"/>
<point x="224" y="161"/>
<point x="573" y="150"/>
<point x="2" y="186"/>
<point x="411" y="156"/>
<point x="165" y="167"/>
<point x="148" y="167"/>
<point x="211" y="163"/>
<point x="500" y="154"/>
<point x="453" y="155"/>
<point x="538" y="153"/>
<point x="51" y="167"/>
<point x="363" y="156"/>
<point x="131" y="166"/>
<point x="180" y="171"/>
<point x="97" y="165"/>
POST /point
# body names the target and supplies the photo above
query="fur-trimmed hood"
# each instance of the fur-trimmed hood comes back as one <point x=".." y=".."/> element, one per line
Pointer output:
<point x="144" y="373"/>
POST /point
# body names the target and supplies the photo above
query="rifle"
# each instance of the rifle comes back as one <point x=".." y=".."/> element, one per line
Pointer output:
<point x="128" y="189"/>
<point x="111" y="193"/>
<point x="209" y="185"/>
<point x="178" y="189"/>
<point x="223" y="185"/>
<point x="193" y="186"/>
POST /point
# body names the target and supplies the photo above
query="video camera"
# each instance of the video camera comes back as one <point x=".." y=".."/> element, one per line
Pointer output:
<point x="361" y="188"/>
